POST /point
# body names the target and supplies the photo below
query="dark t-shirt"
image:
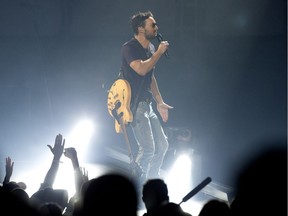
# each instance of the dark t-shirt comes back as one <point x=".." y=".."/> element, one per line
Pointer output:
<point x="140" y="85"/>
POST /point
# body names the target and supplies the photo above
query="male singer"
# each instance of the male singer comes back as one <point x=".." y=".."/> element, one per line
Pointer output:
<point x="139" y="58"/>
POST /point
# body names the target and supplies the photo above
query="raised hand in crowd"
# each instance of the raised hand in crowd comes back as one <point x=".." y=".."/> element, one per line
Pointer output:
<point x="9" y="170"/>
<point x="57" y="151"/>
<point x="81" y="176"/>
<point x="46" y="195"/>
<point x="7" y="183"/>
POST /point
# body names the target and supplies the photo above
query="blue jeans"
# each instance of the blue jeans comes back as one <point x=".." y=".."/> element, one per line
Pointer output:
<point x="151" y="139"/>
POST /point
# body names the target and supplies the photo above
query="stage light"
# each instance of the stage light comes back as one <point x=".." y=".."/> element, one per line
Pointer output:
<point x="80" y="136"/>
<point x="179" y="177"/>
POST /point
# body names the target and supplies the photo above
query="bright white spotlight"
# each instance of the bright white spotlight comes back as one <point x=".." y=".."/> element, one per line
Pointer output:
<point x="179" y="178"/>
<point x="80" y="135"/>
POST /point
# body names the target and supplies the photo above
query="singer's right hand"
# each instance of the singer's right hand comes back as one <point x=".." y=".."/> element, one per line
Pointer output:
<point x="163" y="46"/>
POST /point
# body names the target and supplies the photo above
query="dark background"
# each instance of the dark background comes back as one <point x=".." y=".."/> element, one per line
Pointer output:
<point x="226" y="76"/>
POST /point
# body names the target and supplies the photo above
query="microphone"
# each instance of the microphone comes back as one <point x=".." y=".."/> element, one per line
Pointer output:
<point x="160" y="39"/>
<point x="196" y="189"/>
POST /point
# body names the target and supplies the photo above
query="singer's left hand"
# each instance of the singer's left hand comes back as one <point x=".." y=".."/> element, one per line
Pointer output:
<point x="163" y="46"/>
<point x="163" y="110"/>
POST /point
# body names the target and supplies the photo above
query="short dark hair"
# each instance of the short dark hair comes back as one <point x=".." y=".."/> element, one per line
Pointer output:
<point x="138" y="20"/>
<point x="156" y="188"/>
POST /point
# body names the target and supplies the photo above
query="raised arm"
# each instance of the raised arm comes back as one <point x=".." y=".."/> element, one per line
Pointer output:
<point x="57" y="151"/>
<point x="80" y="178"/>
<point x="80" y="175"/>
<point x="9" y="170"/>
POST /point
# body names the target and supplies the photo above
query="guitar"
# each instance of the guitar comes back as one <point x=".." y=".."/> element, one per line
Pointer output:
<point x="119" y="97"/>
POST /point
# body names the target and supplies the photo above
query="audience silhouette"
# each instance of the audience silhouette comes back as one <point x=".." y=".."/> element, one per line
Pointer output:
<point x="50" y="209"/>
<point x="12" y="204"/>
<point x="262" y="184"/>
<point x="261" y="189"/>
<point x="215" y="207"/>
<point x="46" y="201"/>
<point x="108" y="194"/>
<point x="156" y="199"/>
<point x="13" y="197"/>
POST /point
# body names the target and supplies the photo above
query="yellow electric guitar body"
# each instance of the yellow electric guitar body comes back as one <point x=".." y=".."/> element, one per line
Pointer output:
<point x="119" y="97"/>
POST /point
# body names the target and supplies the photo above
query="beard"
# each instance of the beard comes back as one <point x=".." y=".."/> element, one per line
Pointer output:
<point x="150" y="36"/>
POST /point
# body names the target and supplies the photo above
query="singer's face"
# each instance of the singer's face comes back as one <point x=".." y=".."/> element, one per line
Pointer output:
<point x="150" y="28"/>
